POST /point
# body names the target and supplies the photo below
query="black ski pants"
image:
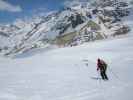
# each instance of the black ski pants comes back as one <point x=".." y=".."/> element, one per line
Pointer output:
<point x="103" y="75"/>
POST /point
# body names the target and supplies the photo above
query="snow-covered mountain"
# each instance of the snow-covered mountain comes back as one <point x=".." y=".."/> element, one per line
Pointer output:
<point x="23" y="35"/>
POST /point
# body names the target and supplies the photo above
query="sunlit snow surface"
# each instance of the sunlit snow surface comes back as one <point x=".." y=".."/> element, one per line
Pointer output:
<point x="62" y="74"/>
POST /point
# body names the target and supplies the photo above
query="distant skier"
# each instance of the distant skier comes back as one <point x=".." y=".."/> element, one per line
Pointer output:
<point x="102" y="66"/>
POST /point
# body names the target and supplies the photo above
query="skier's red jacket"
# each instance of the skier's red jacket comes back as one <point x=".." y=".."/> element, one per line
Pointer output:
<point x="101" y="65"/>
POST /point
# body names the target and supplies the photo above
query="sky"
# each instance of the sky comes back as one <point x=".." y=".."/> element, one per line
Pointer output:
<point x="11" y="10"/>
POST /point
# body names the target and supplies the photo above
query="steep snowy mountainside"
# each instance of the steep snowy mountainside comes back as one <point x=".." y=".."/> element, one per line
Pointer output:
<point x="129" y="20"/>
<point x="85" y="21"/>
<point x="28" y="33"/>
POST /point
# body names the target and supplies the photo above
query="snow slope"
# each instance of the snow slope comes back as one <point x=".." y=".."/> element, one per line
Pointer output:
<point x="62" y="74"/>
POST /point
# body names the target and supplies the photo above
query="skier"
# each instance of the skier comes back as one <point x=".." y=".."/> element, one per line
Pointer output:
<point x="103" y="67"/>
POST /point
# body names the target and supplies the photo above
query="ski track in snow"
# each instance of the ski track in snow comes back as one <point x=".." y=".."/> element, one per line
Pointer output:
<point x="65" y="74"/>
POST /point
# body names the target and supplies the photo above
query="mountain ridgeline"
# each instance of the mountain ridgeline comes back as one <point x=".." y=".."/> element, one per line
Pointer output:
<point x="73" y="25"/>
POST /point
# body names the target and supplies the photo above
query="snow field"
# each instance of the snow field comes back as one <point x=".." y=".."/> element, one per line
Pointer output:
<point x="63" y="74"/>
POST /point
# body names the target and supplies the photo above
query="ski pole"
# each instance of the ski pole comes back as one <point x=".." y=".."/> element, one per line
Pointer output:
<point x="98" y="73"/>
<point x="113" y="73"/>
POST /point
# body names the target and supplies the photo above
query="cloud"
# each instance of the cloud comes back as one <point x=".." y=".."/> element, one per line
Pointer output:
<point x="5" y="6"/>
<point x="69" y="3"/>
